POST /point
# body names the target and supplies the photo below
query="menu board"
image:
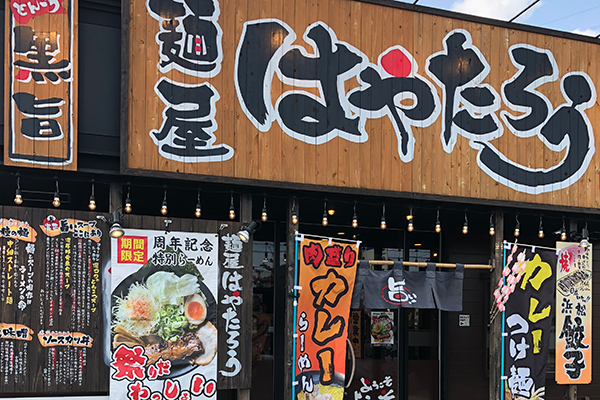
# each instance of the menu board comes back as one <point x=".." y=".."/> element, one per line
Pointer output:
<point x="50" y="312"/>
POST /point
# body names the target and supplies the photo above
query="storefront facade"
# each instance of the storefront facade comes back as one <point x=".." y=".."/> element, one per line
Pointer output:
<point x="426" y="136"/>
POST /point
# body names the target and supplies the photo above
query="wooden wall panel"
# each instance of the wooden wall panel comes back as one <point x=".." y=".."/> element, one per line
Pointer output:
<point x="41" y="84"/>
<point x="529" y="162"/>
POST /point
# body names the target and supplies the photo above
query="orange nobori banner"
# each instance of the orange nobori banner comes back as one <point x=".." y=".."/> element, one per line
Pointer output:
<point x="327" y="270"/>
<point x="573" y="314"/>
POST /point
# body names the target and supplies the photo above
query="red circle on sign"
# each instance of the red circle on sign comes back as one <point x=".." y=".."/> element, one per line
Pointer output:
<point x="396" y="63"/>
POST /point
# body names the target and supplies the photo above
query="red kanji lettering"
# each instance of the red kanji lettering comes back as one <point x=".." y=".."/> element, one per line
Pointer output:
<point x="210" y="388"/>
<point x="197" y="386"/>
<point x="129" y="363"/>
<point x="349" y="257"/>
<point x="136" y="391"/>
<point x="152" y="372"/>
<point x="171" y="389"/>
<point x="334" y="256"/>
<point x="313" y="254"/>
<point x="164" y="367"/>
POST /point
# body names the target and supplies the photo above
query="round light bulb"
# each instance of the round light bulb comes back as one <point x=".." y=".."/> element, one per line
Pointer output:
<point x="383" y="224"/>
<point x="264" y="215"/>
<point x="517" y="232"/>
<point x="492" y="230"/>
<point x="541" y="234"/>
<point x="127" y="207"/>
<point x="18" y="197"/>
<point x="411" y="227"/>
<point x="294" y="219"/>
<point x="563" y="236"/>
<point x="438" y="227"/>
<point x="231" y="214"/>
<point x="92" y="205"/>
<point x="56" y="201"/>
<point x="163" y="210"/>
<point x="354" y="222"/>
<point x="198" y="212"/>
<point x="465" y="229"/>
<point x="325" y="221"/>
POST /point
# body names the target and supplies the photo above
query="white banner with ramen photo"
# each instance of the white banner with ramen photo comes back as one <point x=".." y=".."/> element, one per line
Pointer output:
<point x="164" y="315"/>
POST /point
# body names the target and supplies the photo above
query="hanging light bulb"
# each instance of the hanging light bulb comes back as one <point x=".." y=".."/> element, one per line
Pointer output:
<point x="492" y="228"/>
<point x="163" y="208"/>
<point x="128" y="201"/>
<point x="383" y="223"/>
<point x="517" y="226"/>
<point x="354" y="218"/>
<point x="541" y="230"/>
<point x="56" y="201"/>
<point x="409" y="216"/>
<point x="294" y="213"/>
<point x="18" y="196"/>
<point x="92" y="205"/>
<point x="465" y="229"/>
<point x="438" y="225"/>
<point x="264" y="210"/>
<point x="325" y="220"/>
<point x="198" y="212"/>
<point x="231" y="208"/>
<point x="411" y="226"/>
<point x="563" y="231"/>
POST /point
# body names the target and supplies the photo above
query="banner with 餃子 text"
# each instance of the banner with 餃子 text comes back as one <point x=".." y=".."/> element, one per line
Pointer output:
<point x="327" y="271"/>
<point x="573" y="314"/>
<point x="527" y="293"/>
<point x="164" y="315"/>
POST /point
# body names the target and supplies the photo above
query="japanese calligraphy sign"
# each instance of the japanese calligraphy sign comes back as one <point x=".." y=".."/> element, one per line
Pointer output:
<point x="41" y="84"/>
<point x="573" y="314"/>
<point x="374" y="380"/>
<point x="235" y="310"/>
<point x="53" y="226"/>
<point x="164" y="315"/>
<point x="327" y="271"/>
<point x="50" y="304"/>
<point x="319" y="84"/>
<point x="528" y="319"/>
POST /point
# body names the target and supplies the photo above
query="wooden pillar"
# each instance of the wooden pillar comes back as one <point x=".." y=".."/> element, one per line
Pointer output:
<point x="289" y="304"/>
<point x="115" y="195"/>
<point x="495" y="326"/>
<point x="246" y="319"/>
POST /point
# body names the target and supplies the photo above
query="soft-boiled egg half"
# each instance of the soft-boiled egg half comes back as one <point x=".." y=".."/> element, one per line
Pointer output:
<point x="195" y="309"/>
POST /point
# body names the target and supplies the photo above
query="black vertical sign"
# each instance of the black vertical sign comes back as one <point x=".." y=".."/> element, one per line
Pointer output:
<point x="528" y="319"/>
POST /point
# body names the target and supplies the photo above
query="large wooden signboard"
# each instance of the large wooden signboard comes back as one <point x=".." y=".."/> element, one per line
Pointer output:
<point x="360" y="95"/>
<point x="41" y="84"/>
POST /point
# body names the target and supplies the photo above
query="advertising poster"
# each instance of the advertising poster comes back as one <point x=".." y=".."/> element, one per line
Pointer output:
<point x="50" y="305"/>
<point x="164" y="315"/>
<point x="573" y="314"/>
<point x="382" y="328"/>
<point x="327" y="270"/>
<point x="528" y="295"/>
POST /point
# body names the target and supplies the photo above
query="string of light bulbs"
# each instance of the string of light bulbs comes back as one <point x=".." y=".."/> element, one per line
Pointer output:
<point x="18" y="200"/>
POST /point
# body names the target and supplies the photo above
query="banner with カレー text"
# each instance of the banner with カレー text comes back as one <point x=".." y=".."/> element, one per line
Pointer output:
<point x="327" y="270"/>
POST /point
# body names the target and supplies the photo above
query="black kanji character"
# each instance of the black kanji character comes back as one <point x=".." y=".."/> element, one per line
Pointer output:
<point x="459" y="70"/>
<point x="186" y="133"/>
<point x="41" y="48"/>
<point x="39" y="128"/>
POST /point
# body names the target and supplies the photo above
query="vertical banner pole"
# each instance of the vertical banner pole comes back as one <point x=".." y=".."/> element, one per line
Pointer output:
<point x="295" y="313"/>
<point x="503" y="323"/>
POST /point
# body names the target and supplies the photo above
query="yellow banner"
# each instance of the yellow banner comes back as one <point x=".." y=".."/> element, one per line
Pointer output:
<point x="573" y="314"/>
<point x="53" y="226"/>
